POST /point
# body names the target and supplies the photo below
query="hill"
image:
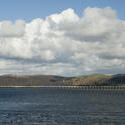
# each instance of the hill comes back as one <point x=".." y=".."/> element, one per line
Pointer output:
<point x="50" y="80"/>
<point x="31" y="80"/>
<point x="98" y="79"/>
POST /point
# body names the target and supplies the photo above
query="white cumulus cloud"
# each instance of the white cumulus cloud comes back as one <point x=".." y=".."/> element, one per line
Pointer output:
<point x="64" y="44"/>
<point x="8" y="29"/>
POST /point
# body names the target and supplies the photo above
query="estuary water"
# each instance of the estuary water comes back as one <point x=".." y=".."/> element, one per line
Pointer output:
<point x="54" y="106"/>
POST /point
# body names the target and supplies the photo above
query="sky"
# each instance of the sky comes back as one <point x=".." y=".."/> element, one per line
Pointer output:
<point x="66" y="37"/>
<point x="30" y="9"/>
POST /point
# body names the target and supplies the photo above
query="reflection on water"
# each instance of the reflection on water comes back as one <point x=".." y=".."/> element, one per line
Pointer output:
<point x="37" y="106"/>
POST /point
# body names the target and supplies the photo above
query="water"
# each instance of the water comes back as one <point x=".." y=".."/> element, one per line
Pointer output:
<point x="38" y="106"/>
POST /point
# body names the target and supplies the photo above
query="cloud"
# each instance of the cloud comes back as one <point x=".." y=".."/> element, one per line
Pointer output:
<point x="64" y="44"/>
<point x="8" y="29"/>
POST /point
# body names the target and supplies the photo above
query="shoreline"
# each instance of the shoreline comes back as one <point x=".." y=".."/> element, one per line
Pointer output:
<point x="72" y="87"/>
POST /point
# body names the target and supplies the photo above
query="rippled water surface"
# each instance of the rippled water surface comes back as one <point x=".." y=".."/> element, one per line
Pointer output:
<point x="42" y="106"/>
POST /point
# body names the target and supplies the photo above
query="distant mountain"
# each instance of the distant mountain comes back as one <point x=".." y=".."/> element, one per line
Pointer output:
<point x="32" y="80"/>
<point x="50" y="80"/>
<point x="98" y="79"/>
